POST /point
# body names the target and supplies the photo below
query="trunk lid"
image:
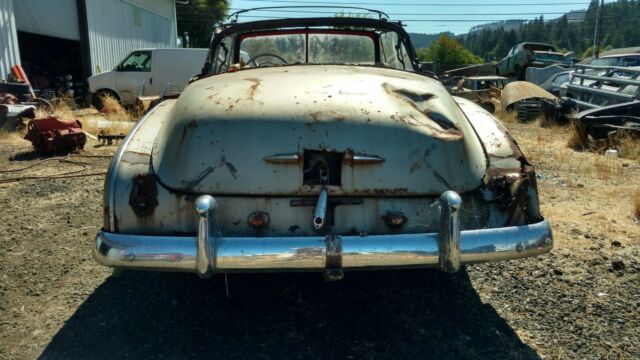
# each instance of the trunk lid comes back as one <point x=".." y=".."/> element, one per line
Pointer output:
<point x="287" y="130"/>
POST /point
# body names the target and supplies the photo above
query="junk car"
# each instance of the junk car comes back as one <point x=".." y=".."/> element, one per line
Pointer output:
<point x="524" y="55"/>
<point x="482" y="90"/>
<point x="327" y="150"/>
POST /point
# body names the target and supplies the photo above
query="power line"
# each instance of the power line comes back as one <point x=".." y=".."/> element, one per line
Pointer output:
<point x="423" y="4"/>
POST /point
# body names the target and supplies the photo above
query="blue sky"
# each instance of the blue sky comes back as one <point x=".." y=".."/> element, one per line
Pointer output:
<point x="456" y="16"/>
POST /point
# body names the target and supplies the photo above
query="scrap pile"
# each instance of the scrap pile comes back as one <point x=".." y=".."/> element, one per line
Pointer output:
<point x="53" y="135"/>
<point x="606" y="124"/>
<point x="530" y="102"/>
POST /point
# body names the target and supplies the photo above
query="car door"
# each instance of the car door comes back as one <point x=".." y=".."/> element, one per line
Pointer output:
<point x="133" y="72"/>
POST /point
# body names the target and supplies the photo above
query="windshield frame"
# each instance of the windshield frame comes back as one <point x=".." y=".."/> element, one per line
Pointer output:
<point x="340" y="24"/>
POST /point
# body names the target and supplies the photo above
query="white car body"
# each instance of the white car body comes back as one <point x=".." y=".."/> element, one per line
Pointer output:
<point x="170" y="68"/>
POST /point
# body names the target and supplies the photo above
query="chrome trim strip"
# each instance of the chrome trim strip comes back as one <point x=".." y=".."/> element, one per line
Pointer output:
<point x="113" y="169"/>
<point x="291" y="158"/>
<point x="250" y="254"/>
<point x="367" y="159"/>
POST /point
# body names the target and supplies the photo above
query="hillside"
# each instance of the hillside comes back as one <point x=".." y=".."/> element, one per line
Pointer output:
<point x="620" y="26"/>
<point x="425" y="40"/>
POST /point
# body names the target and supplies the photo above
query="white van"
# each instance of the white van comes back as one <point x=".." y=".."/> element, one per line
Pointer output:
<point x="146" y="72"/>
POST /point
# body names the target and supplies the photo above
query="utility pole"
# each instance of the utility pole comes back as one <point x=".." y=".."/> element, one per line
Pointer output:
<point x="596" y="35"/>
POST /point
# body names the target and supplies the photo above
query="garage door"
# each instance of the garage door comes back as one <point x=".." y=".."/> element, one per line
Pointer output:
<point x="57" y="18"/>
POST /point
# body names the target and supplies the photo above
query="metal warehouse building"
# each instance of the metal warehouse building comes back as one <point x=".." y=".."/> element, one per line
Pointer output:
<point x="80" y="37"/>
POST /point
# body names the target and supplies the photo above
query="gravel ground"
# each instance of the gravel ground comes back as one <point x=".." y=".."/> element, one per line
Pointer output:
<point x="582" y="301"/>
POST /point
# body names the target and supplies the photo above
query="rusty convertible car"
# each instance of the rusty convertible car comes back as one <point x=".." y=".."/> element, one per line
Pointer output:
<point x="323" y="148"/>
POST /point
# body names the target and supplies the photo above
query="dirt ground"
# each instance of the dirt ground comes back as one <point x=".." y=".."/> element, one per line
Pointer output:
<point x="581" y="301"/>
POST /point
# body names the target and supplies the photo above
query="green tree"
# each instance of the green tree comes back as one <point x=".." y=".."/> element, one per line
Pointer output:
<point x="448" y="51"/>
<point x="199" y="18"/>
<point x="620" y="24"/>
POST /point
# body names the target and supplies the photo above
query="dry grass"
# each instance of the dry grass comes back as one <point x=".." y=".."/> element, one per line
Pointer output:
<point x="112" y="109"/>
<point x="113" y="119"/>
<point x="580" y="191"/>
<point x="61" y="109"/>
<point x="9" y="136"/>
<point x="574" y="142"/>
<point x="606" y="168"/>
<point x="506" y="116"/>
<point x="629" y="147"/>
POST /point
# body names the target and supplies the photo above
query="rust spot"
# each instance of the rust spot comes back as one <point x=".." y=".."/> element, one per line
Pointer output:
<point x="253" y="88"/>
<point x="192" y="124"/>
<point x="318" y="116"/>
<point x="315" y="116"/>
<point x="230" y="108"/>
<point x="134" y="157"/>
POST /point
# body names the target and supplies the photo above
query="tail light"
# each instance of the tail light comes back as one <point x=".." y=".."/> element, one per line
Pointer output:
<point x="394" y="219"/>
<point x="258" y="219"/>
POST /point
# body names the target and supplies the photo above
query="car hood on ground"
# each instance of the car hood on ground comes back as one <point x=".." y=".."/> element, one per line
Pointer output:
<point x="223" y="127"/>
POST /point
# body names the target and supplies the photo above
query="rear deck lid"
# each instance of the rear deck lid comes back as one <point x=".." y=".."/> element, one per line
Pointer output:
<point x="288" y="130"/>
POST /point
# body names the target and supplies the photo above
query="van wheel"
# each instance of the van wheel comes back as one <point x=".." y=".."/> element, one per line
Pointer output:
<point x="101" y="94"/>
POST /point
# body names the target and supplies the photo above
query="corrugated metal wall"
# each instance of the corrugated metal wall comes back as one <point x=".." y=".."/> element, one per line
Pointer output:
<point x="118" y="26"/>
<point x="57" y="18"/>
<point x="9" y="52"/>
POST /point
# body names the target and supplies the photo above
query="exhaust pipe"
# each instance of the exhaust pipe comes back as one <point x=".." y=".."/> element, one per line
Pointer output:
<point x="319" y="217"/>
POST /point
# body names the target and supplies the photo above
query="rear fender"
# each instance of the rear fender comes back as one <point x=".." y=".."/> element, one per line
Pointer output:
<point x="510" y="181"/>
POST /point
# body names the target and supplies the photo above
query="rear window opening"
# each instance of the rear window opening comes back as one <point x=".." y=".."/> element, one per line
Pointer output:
<point x="322" y="167"/>
<point x="539" y="47"/>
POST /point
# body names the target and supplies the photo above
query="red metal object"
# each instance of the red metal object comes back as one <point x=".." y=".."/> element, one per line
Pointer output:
<point x="53" y="135"/>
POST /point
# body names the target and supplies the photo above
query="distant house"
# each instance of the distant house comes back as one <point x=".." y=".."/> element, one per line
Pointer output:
<point x="52" y="38"/>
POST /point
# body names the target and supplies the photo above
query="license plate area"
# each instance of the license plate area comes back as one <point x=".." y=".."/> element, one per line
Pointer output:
<point x="321" y="167"/>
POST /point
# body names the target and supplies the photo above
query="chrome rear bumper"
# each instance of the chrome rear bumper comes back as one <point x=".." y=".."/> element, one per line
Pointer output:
<point x="210" y="252"/>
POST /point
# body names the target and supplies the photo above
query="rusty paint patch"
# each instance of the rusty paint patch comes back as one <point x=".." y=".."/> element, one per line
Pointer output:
<point x="318" y="116"/>
<point x="253" y="88"/>
<point x="315" y="116"/>
<point x="134" y="157"/>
